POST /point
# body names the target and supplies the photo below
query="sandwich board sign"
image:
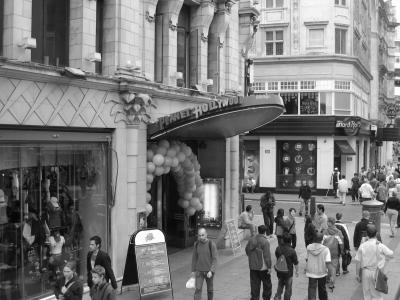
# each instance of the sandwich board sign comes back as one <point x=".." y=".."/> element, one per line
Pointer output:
<point x="233" y="236"/>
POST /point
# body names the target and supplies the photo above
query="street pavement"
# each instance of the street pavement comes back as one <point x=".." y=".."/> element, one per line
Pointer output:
<point x="232" y="277"/>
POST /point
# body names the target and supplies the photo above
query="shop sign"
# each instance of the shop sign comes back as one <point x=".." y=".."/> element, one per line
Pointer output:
<point x="214" y="106"/>
<point x="350" y="126"/>
<point x="233" y="236"/>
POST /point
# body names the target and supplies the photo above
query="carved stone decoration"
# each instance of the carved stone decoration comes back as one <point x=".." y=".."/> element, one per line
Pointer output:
<point x="149" y="18"/>
<point x="295" y="23"/>
<point x="172" y="25"/>
<point x="204" y="38"/>
<point x="228" y="5"/>
<point x="132" y="108"/>
<point x="391" y="110"/>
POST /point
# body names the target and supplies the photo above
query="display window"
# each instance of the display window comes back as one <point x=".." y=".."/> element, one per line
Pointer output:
<point x="297" y="162"/>
<point x="53" y="198"/>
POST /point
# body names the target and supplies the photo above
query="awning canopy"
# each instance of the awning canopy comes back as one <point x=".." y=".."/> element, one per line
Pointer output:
<point x="388" y="134"/>
<point x="218" y="118"/>
<point x="344" y="147"/>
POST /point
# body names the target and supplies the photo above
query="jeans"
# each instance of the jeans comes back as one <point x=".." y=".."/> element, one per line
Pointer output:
<point x="344" y="265"/>
<point x="200" y="276"/>
<point x="392" y="215"/>
<point x="251" y="227"/>
<point x="354" y="194"/>
<point x="312" y="288"/>
<point x="304" y="205"/>
<point x="269" y="221"/>
<point x="342" y="197"/>
<point x="284" y="282"/>
<point x="294" y="240"/>
<point x="332" y="271"/>
<point x="256" y="277"/>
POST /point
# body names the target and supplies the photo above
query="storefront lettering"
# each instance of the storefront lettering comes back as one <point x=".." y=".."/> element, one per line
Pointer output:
<point x="348" y="124"/>
<point x="199" y="111"/>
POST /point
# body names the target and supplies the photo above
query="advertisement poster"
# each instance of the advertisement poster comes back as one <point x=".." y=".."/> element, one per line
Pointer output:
<point x="252" y="165"/>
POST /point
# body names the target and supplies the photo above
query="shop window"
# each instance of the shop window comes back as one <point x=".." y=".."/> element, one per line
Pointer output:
<point x="316" y="37"/>
<point x="273" y="3"/>
<point x="342" y="104"/>
<point x="290" y="101"/>
<point x="99" y="32"/>
<point x="273" y="86"/>
<point x="342" y="85"/>
<point x="308" y="103"/>
<point x="340" y="40"/>
<point x="325" y="103"/>
<point x="297" y="163"/>
<point x="50" y="23"/>
<point x="274" y="42"/>
<point x="49" y="194"/>
<point x="289" y="85"/>
<point x="259" y="86"/>
<point x="307" y="85"/>
<point x="183" y="42"/>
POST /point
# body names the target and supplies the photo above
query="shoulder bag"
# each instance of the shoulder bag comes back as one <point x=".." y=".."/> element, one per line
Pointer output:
<point x="381" y="279"/>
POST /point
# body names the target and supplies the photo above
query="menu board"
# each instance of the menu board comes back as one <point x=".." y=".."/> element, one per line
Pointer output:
<point x="153" y="268"/>
<point x="233" y="235"/>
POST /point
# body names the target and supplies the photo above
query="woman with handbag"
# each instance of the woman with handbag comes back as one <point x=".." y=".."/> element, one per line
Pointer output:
<point x="370" y="262"/>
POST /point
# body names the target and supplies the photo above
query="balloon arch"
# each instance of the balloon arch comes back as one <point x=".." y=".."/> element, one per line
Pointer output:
<point x="176" y="157"/>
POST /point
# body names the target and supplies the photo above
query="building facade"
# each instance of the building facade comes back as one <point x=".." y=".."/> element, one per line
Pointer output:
<point x="80" y="81"/>
<point x="321" y="58"/>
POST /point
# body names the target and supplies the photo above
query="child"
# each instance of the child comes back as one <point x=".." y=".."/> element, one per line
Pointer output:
<point x="101" y="290"/>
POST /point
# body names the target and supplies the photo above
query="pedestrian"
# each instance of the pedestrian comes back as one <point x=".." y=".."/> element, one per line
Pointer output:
<point x="285" y="279"/>
<point x="246" y="220"/>
<point x="259" y="255"/>
<point x="305" y="195"/>
<point x="318" y="261"/>
<point x="360" y="231"/>
<point x="334" y="181"/>
<point x="97" y="257"/>
<point x="309" y="230"/>
<point x="346" y="256"/>
<point x="366" y="191"/>
<point x="101" y="290"/>
<point x="355" y="185"/>
<point x="320" y="219"/>
<point x="382" y="192"/>
<point x="251" y="185"/>
<point x="69" y="287"/>
<point x="370" y="256"/>
<point x="267" y="203"/>
<point x="333" y="239"/>
<point x="280" y="227"/>
<point x="342" y="189"/>
<point x="291" y="223"/>
<point x="374" y="182"/>
<point x="204" y="262"/>
<point x="391" y="209"/>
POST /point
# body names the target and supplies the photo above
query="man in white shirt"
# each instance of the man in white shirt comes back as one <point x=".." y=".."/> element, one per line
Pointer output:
<point x="366" y="191"/>
<point x="342" y="189"/>
<point x="371" y="255"/>
<point x="246" y="220"/>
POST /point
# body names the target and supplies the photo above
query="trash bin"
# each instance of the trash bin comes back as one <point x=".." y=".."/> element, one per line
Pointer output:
<point x="375" y="208"/>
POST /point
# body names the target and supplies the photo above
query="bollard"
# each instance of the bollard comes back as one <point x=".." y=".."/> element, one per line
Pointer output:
<point x="375" y="208"/>
<point x="313" y="207"/>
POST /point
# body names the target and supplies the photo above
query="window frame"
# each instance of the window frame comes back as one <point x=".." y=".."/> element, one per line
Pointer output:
<point x="309" y="28"/>
<point x="274" y="5"/>
<point x="341" y="49"/>
<point x="340" y="3"/>
<point x="274" y="42"/>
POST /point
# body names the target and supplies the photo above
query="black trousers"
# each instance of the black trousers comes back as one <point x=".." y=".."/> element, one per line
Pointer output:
<point x="313" y="283"/>
<point x="294" y="240"/>
<point x="398" y="220"/>
<point x="256" y="277"/>
<point x="269" y="221"/>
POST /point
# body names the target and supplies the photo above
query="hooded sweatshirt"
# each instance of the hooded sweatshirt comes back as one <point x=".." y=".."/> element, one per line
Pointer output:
<point x="333" y="239"/>
<point x="317" y="257"/>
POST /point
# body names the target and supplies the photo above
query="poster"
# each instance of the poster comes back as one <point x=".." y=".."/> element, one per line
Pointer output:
<point x="252" y="165"/>
<point x="233" y="235"/>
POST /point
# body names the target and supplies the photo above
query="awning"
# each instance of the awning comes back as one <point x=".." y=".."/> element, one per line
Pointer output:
<point x="344" y="147"/>
<point x="218" y="118"/>
<point x="388" y="134"/>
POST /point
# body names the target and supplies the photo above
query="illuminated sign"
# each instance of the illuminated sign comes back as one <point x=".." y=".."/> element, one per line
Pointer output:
<point x="199" y="111"/>
<point x="350" y="126"/>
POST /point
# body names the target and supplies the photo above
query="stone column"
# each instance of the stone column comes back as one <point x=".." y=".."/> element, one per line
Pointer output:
<point x="234" y="170"/>
<point x="149" y="8"/>
<point x="200" y="22"/>
<point x="82" y="34"/>
<point x="167" y="17"/>
<point x="232" y="57"/>
<point x="17" y="26"/>
<point x="216" y="54"/>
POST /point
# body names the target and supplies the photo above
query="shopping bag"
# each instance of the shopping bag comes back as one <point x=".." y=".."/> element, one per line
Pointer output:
<point x="191" y="283"/>
<point x="381" y="283"/>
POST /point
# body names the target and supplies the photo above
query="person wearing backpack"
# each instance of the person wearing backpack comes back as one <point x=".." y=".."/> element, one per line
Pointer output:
<point x="286" y="258"/>
<point x="259" y="255"/>
<point x="318" y="260"/>
<point x="333" y="239"/>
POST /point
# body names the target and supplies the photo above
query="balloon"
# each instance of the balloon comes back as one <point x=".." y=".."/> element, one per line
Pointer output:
<point x="187" y="196"/>
<point x="177" y="148"/>
<point x="175" y="162"/>
<point x="171" y="152"/>
<point x="153" y="147"/>
<point x="163" y="143"/>
<point x="185" y="204"/>
<point x="167" y="161"/>
<point x="190" y="211"/>
<point x="158" y="159"/>
<point x="166" y="170"/>
<point x="161" y="150"/>
<point x="148" y="187"/>
<point x="181" y="156"/>
<point x="199" y="207"/>
<point x="194" y="202"/>
<point x="149" y="178"/>
<point x="150" y="167"/>
<point x="148" y="197"/>
<point x="150" y="155"/>
<point x="187" y="150"/>
<point x="159" y="171"/>
<point x="148" y="208"/>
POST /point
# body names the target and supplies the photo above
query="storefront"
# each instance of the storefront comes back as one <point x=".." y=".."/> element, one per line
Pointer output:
<point x="293" y="149"/>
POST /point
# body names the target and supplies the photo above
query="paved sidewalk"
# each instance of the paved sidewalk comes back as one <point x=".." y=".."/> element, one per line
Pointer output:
<point x="232" y="277"/>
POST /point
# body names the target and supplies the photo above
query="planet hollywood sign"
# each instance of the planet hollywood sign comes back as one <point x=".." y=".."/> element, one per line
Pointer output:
<point x="201" y="110"/>
<point x="350" y="126"/>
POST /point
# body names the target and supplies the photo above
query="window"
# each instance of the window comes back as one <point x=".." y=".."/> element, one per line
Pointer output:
<point x="340" y="40"/>
<point x="342" y="85"/>
<point x="342" y="104"/>
<point x="307" y="85"/>
<point x="308" y="103"/>
<point x="316" y="37"/>
<point x="290" y="101"/>
<point x="289" y="85"/>
<point x="183" y="35"/>
<point x="50" y="23"/>
<point x="325" y="104"/>
<point x="340" y="2"/>
<point x="99" y="33"/>
<point x="273" y="86"/>
<point x="1" y="25"/>
<point x="259" y="86"/>
<point x="273" y="3"/>
<point x="274" y="42"/>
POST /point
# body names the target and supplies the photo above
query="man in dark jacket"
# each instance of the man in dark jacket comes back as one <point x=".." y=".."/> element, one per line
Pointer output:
<point x="204" y="262"/>
<point x="305" y="195"/>
<point x="257" y="250"/>
<point x="360" y="231"/>
<point x="346" y="244"/>
<point x="267" y="203"/>
<point x="285" y="280"/>
<point x="96" y="257"/>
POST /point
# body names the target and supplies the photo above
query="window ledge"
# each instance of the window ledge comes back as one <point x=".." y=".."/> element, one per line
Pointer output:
<point x="316" y="23"/>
